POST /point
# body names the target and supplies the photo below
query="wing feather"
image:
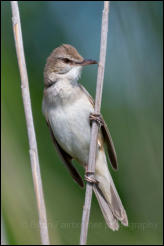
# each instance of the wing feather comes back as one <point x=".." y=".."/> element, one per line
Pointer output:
<point x="106" y="134"/>
<point x="67" y="159"/>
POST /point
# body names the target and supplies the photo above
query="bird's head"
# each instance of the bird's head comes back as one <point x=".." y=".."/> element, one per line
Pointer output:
<point x="64" y="63"/>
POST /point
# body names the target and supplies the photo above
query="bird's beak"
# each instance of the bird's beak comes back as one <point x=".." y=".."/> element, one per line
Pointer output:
<point x="87" y="62"/>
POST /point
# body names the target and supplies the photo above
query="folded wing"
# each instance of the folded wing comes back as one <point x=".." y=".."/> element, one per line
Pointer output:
<point x="67" y="160"/>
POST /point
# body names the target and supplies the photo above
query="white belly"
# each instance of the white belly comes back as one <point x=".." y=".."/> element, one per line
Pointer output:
<point x="71" y="127"/>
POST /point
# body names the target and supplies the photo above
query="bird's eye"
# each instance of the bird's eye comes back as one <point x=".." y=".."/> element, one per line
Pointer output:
<point x="66" y="60"/>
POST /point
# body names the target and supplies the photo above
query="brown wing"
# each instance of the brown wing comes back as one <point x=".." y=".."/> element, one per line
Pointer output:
<point x="67" y="159"/>
<point x="106" y="135"/>
<point x="110" y="146"/>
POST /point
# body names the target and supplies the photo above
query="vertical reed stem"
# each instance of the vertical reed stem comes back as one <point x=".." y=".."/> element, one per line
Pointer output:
<point x="94" y="131"/>
<point x="30" y="125"/>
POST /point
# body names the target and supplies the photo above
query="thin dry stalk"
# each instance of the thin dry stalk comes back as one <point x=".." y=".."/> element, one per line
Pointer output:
<point x="94" y="131"/>
<point x="30" y="125"/>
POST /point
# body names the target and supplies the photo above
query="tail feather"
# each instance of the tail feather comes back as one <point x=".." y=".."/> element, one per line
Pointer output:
<point x="117" y="207"/>
<point x="106" y="211"/>
<point x="107" y="195"/>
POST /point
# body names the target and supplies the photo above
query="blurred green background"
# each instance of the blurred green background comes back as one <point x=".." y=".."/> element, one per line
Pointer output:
<point x="131" y="106"/>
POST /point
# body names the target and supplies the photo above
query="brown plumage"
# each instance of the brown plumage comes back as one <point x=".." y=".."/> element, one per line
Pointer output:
<point x="67" y="107"/>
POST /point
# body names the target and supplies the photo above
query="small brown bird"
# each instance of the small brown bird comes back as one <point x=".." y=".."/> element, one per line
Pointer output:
<point x="68" y="109"/>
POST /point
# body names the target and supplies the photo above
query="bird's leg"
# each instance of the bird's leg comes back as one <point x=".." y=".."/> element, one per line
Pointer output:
<point x="98" y="118"/>
<point x="89" y="176"/>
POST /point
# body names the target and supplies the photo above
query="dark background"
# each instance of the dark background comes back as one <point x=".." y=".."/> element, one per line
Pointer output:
<point x="131" y="106"/>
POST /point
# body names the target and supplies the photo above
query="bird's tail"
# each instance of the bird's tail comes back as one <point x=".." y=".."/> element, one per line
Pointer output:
<point x="107" y="196"/>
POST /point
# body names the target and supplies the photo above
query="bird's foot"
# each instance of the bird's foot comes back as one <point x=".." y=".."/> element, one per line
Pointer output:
<point x="90" y="178"/>
<point x="98" y="118"/>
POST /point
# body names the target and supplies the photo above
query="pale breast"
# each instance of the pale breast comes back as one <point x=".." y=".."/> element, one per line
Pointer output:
<point x="71" y="127"/>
